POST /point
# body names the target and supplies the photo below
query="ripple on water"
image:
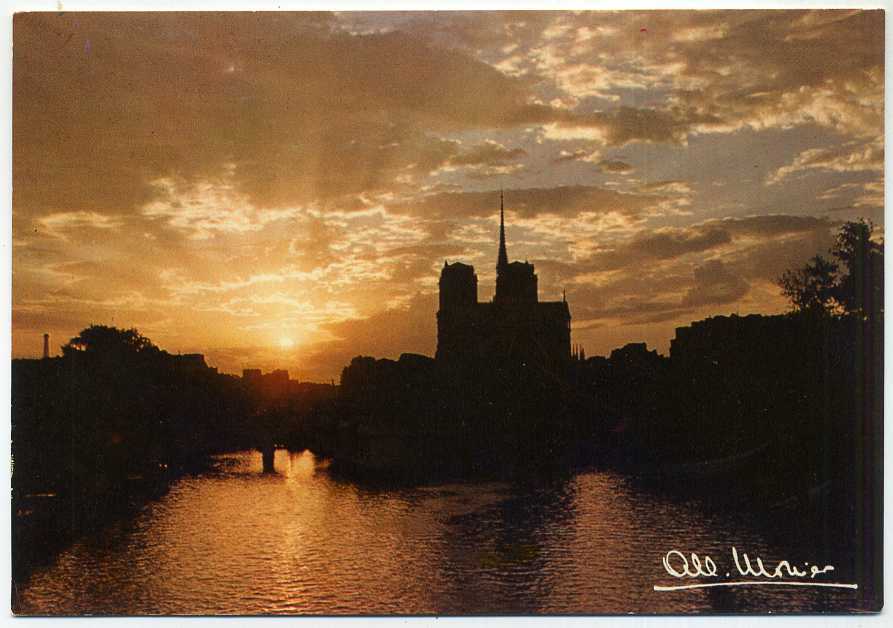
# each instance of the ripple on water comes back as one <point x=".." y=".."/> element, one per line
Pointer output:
<point x="237" y="541"/>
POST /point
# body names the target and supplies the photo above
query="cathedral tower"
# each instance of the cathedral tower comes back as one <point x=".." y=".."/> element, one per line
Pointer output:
<point x="514" y="328"/>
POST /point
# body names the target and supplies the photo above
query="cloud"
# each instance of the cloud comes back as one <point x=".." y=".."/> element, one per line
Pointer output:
<point x="703" y="72"/>
<point x="602" y="165"/>
<point x="61" y="224"/>
<point x="684" y="111"/>
<point x="673" y="186"/>
<point x="765" y="259"/>
<point x="772" y="225"/>
<point x="614" y="165"/>
<point x="488" y="153"/>
<point x="530" y="202"/>
<point x="263" y="94"/>
<point x="715" y="284"/>
<point x="672" y="274"/>
<point x="490" y="172"/>
<point x="634" y="310"/>
<point x="577" y="155"/>
<point x="650" y="245"/>
<point x="849" y="157"/>
<point x="225" y="180"/>
<point x="409" y="328"/>
<point x="868" y="195"/>
<point x="204" y="209"/>
<point x="669" y="242"/>
<point x="296" y="127"/>
<point x="627" y="124"/>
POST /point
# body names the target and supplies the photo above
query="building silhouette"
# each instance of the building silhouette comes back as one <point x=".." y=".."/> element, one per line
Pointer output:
<point x="192" y="363"/>
<point x="515" y="327"/>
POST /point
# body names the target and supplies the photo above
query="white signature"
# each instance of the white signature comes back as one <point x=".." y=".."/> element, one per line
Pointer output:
<point x="679" y="565"/>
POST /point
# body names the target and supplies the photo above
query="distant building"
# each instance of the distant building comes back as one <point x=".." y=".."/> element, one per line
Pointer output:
<point x="278" y="377"/>
<point x="251" y="375"/>
<point x="515" y="327"/>
<point x="633" y="353"/>
<point x="272" y="386"/>
<point x="719" y="339"/>
<point x="190" y="362"/>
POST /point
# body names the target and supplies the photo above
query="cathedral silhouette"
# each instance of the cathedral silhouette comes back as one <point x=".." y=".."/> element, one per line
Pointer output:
<point x="515" y="327"/>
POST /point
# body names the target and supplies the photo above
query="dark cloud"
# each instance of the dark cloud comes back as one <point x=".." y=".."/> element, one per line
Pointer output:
<point x="602" y="165"/>
<point x="98" y="119"/>
<point x="267" y="94"/>
<point x="716" y="71"/>
<point x="767" y="260"/>
<point x="770" y="242"/>
<point x="668" y="243"/>
<point x="628" y="124"/>
<point x="386" y="334"/>
<point x="662" y="244"/>
<point x="105" y="104"/>
<point x="658" y="276"/>
<point x="530" y="202"/>
<point x="715" y="284"/>
<point x="774" y="225"/>
<point x="614" y="165"/>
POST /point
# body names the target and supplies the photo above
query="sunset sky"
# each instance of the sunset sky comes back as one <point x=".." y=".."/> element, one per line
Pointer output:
<point x="281" y="190"/>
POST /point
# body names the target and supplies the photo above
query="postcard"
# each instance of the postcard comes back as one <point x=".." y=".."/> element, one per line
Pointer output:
<point x="437" y="313"/>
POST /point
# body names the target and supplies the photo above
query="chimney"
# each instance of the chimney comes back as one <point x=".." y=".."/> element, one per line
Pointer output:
<point x="46" y="346"/>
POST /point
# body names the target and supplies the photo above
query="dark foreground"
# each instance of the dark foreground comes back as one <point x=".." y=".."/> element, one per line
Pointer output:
<point x="775" y="419"/>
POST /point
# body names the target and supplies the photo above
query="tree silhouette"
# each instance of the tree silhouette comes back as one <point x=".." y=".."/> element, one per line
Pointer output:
<point x="813" y="287"/>
<point x="860" y="290"/>
<point x="851" y="283"/>
<point x="102" y="339"/>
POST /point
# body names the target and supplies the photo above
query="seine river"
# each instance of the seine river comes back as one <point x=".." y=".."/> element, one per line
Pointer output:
<point x="236" y="541"/>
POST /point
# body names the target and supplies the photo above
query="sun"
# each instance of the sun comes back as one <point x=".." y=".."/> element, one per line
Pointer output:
<point x="286" y="343"/>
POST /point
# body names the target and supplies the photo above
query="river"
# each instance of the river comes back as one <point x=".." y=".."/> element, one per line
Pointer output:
<point x="303" y="541"/>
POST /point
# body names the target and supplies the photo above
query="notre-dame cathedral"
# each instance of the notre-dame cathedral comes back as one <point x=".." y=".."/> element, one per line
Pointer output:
<point x="515" y="327"/>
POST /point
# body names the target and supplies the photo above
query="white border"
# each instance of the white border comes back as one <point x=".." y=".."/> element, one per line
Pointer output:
<point x="13" y="6"/>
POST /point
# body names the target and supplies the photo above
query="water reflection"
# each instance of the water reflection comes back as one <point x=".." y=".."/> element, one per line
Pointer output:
<point x="240" y="541"/>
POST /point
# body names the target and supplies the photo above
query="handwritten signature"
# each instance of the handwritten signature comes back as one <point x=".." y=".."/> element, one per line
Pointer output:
<point x="679" y="565"/>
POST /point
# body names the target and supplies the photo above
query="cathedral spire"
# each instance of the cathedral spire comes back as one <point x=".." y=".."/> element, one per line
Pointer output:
<point x="503" y="259"/>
